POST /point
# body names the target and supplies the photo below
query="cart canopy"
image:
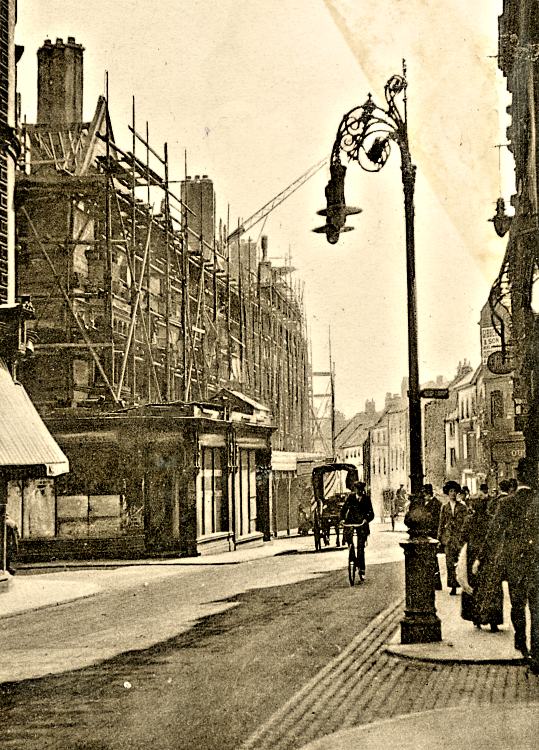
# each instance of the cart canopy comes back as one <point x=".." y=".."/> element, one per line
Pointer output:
<point x="332" y="479"/>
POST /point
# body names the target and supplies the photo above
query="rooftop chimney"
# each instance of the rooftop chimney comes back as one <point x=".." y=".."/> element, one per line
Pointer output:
<point x="59" y="82"/>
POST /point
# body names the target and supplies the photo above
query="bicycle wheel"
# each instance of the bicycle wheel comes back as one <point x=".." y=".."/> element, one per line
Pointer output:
<point x="352" y="567"/>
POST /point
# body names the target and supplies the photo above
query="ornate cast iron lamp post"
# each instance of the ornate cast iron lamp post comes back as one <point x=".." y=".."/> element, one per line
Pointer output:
<point x="366" y="135"/>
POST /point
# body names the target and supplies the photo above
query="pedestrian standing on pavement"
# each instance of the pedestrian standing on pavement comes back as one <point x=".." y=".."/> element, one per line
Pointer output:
<point x="433" y="507"/>
<point x="464" y="496"/>
<point x="489" y="573"/>
<point x="452" y="517"/>
<point x="483" y="492"/>
<point x="12" y="544"/>
<point x="402" y="500"/>
<point x="357" y="508"/>
<point x="493" y="493"/>
<point x="514" y="531"/>
<point x="484" y="605"/>
<point x="393" y="508"/>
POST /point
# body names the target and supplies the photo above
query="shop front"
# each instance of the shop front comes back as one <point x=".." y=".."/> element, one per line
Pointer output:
<point x="29" y="458"/>
<point x="166" y="480"/>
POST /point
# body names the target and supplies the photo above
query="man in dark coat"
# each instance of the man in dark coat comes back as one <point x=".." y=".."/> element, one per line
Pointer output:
<point x="433" y="507"/>
<point x="488" y="567"/>
<point x="515" y="532"/>
<point x="357" y="508"/>
<point x="12" y="543"/>
<point x="452" y="517"/>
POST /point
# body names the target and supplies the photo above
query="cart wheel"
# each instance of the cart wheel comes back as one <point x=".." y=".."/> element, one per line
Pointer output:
<point x="317" y="537"/>
<point x="352" y="565"/>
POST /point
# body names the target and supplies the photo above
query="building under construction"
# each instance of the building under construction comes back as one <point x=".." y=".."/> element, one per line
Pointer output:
<point x="169" y="358"/>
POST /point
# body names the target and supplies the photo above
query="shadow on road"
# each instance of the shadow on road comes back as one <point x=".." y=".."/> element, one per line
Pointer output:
<point x="308" y="551"/>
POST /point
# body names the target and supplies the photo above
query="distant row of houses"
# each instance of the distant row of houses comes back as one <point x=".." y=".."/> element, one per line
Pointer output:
<point x="473" y="436"/>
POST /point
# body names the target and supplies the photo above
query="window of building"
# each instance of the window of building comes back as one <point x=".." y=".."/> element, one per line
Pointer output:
<point x="452" y="457"/>
<point x="496" y="406"/>
<point x="247" y="491"/>
<point x="212" y="511"/>
<point x="471" y="446"/>
<point x="534" y="298"/>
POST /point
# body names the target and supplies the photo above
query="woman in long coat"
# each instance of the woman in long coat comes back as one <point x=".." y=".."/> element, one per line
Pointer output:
<point x="485" y="605"/>
<point x="452" y="517"/>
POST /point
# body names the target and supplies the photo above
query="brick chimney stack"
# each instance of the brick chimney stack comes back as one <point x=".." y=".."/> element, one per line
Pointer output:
<point x="59" y="82"/>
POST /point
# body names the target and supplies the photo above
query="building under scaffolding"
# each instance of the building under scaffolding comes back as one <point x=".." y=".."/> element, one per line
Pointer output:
<point x="150" y="326"/>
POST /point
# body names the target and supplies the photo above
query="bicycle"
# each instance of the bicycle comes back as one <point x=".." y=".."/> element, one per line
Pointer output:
<point x="356" y="562"/>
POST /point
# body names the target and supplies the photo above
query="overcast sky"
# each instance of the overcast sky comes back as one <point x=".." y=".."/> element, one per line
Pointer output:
<point x="254" y="90"/>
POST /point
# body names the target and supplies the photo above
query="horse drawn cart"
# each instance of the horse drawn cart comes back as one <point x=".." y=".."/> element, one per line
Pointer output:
<point x="331" y="485"/>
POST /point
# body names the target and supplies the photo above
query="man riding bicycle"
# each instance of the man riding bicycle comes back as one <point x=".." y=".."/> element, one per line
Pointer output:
<point x="357" y="509"/>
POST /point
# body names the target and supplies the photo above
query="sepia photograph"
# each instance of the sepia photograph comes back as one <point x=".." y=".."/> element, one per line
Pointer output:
<point x="269" y="374"/>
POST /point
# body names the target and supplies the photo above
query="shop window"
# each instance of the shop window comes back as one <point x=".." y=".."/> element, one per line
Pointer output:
<point x="246" y="492"/>
<point x="213" y="515"/>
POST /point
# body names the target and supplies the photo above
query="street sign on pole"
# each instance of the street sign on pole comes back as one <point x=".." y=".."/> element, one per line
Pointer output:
<point x="434" y="393"/>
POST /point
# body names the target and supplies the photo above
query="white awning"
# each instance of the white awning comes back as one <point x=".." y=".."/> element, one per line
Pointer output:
<point x="283" y="461"/>
<point x="24" y="437"/>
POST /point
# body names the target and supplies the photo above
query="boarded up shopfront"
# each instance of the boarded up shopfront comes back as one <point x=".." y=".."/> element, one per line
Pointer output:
<point x="176" y="480"/>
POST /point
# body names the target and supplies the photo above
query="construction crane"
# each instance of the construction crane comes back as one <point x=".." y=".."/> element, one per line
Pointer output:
<point x="274" y="202"/>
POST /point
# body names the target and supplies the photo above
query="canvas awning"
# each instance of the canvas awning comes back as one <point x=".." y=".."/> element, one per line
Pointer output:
<point x="25" y="440"/>
<point x="283" y="461"/>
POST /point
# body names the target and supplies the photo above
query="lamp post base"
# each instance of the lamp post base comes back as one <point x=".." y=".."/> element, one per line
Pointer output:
<point x="418" y="629"/>
<point x="421" y="624"/>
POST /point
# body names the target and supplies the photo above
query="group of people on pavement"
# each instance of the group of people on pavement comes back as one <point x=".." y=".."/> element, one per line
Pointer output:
<point x="488" y="539"/>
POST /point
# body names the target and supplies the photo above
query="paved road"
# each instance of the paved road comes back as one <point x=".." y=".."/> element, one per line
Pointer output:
<point x="268" y="626"/>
